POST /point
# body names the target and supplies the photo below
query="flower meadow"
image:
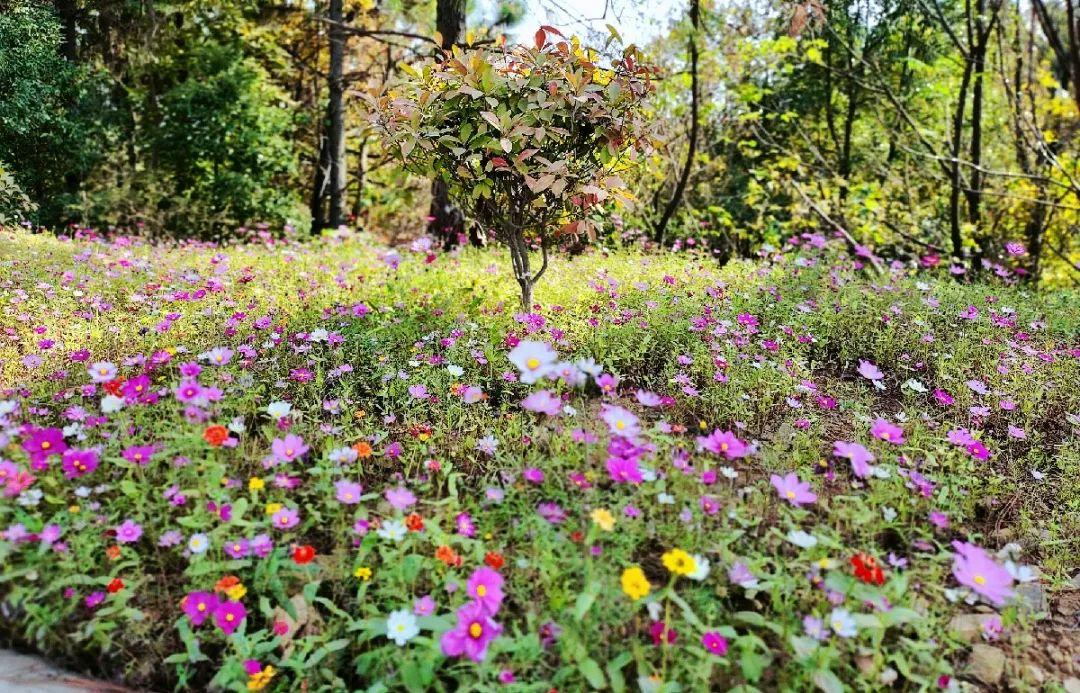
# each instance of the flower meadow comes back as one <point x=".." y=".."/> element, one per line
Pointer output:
<point x="336" y="465"/>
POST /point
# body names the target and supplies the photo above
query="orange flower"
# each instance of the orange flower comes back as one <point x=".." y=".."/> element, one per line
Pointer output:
<point x="363" y="449"/>
<point x="113" y="386"/>
<point x="414" y="522"/>
<point x="226" y="583"/>
<point x="215" y="435"/>
<point x="494" y="560"/>
<point x="113" y="552"/>
<point x="448" y="556"/>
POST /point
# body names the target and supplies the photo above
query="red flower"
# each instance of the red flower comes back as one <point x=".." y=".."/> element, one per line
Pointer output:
<point x="303" y="554"/>
<point x="414" y="522"/>
<point x="115" y="586"/>
<point x="215" y="435"/>
<point x="494" y="560"/>
<point x="867" y="569"/>
<point x="576" y="537"/>
<point x="113" y="386"/>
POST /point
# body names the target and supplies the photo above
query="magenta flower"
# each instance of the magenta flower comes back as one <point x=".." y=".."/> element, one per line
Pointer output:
<point x="533" y="475"/>
<point x="77" y="463"/>
<point x="188" y="391"/>
<point x="887" y="431"/>
<point x="723" y="443"/>
<point x="229" y="615"/>
<point x="199" y="606"/>
<point x="465" y="525"/>
<point x="485" y="586"/>
<point x="348" y="492"/>
<point x="974" y="568"/>
<point x="138" y="454"/>
<point x="44" y="442"/>
<point x="714" y="643"/>
<point x="661" y="632"/>
<point x="400" y="498"/>
<point x="792" y="489"/>
<point x="855" y="453"/>
<point x="288" y="448"/>
<point x="978" y="450"/>
<point x="128" y="532"/>
<point x="624" y="470"/>
<point x="473" y="633"/>
<point x="542" y="402"/>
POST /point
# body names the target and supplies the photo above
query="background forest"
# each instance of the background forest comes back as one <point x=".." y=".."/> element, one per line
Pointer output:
<point x="920" y="128"/>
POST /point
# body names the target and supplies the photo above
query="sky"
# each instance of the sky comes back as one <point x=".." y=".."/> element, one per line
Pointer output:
<point x="638" y="21"/>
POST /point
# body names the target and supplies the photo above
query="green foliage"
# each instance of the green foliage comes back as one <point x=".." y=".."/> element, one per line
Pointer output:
<point x="53" y="114"/>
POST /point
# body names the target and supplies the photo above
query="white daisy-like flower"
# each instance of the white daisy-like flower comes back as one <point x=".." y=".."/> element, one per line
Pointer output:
<point x="401" y="626"/>
<point x="394" y="530"/>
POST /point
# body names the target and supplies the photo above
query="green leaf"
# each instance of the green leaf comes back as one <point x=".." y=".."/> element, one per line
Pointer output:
<point x="592" y="673"/>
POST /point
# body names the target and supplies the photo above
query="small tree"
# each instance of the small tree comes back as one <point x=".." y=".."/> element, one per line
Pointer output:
<point x="527" y="139"/>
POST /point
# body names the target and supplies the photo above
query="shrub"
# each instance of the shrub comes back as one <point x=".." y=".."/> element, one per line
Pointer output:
<point x="527" y="139"/>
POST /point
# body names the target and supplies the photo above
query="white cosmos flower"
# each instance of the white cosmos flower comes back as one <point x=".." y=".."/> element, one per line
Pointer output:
<point x="278" y="410"/>
<point x="401" y="626"/>
<point x="802" y="539"/>
<point x="394" y="530"/>
<point x="701" y="568"/>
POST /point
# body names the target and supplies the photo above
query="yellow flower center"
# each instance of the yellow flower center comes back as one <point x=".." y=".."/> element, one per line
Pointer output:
<point x="620" y="425"/>
<point x="288" y="452"/>
<point x="723" y="447"/>
<point x="230" y="618"/>
<point x="46" y="445"/>
<point x="476" y="630"/>
<point x="201" y="606"/>
<point x="791" y="495"/>
<point x="980" y="580"/>
<point x="481" y="591"/>
<point x="532" y="364"/>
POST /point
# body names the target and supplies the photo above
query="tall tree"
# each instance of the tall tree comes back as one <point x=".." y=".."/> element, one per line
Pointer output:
<point x="446" y="220"/>
<point x="335" y="135"/>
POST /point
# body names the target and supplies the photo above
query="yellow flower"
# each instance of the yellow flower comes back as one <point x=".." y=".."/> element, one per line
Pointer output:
<point x="363" y="572"/>
<point x="74" y="509"/>
<point x="360" y="414"/>
<point x="272" y="508"/>
<point x="634" y="583"/>
<point x="236" y="592"/>
<point x="258" y="681"/>
<point x="679" y="562"/>
<point x="826" y="563"/>
<point x="603" y="519"/>
<point x="256" y="484"/>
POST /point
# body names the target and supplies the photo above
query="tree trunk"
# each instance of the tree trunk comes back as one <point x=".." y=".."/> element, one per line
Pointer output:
<point x="318" y="188"/>
<point x="955" y="179"/>
<point x="335" y="136"/>
<point x="974" y="192"/>
<point x="691" y="151"/>
<point x="67" y="12"/>
<point x="447" y="223"/>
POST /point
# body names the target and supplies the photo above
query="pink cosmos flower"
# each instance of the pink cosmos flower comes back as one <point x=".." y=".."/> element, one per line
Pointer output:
<point x="473" y="633"/>
<point x="286" y="518"/>
<point x="533" y="359"/>
<point x="974" y="568"/>
<point x="714" y="643"/>
<point x="400" y="498"/>
<point x="661" y="632"/>
<point x="128" y="532"/>
<point x="859" y="457"/>
<point x="542" y="402"/>
<point x="723" y="443"/>
<point x="620" y="421"/>
<point x="200" y="606"/>
<point x="793" y="490"/>
<point x="485" y="586"/>
<point x="348" y="492"/>
<point x="887" y="431"/>
<point x="624" y="470"/>
<point x="77" y="463"/>
<point x="869" y="370"/>
<point x="229" y="615"/>
<point x="43" y="442"/>
<point x="288" y="448"/>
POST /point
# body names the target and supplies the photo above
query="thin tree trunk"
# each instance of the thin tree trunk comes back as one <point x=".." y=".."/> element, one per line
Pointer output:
<point x="318" y="187"/>
<point x="447" y="223"/>
<point x="974" y="192"/>
<point x="955" y="233"/>
<point x="335" y="136"/>
<point x="691" y="149"/>
<point x="67" y="12"/>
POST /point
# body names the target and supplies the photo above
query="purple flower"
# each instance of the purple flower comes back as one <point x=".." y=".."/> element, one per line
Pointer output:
<point x="485" y="586"/>
<point x="102" y="371"/>
<point x="723" y="443"/>
<point x="974" y="568"/>
<point x="473" y="633"/>
<point x="348" y="492"/>
<point x="128" y="532"/>
<point x="199" y="606"/>
<point x="262" y="545"/>
<point x="533" y="475"/>
<point x="551" y="512"/>
<point x="740" y="575"/>
<point x="418" y="392"/>
<point x="714" y="643"/>
<point x="887" y="431"/>
<point x="424" y="606"/>
<point x="859" y="457"/>
<point x="400" y="498"/>
<point x="238" y="548"/>
<point x="465" y="526"/>
<point x="286" y="518"/>
<point x="288" y="448"/>
<point x="229" y="615"/>
<point x="188" y="392"/>
<point x="792" y="489"/>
